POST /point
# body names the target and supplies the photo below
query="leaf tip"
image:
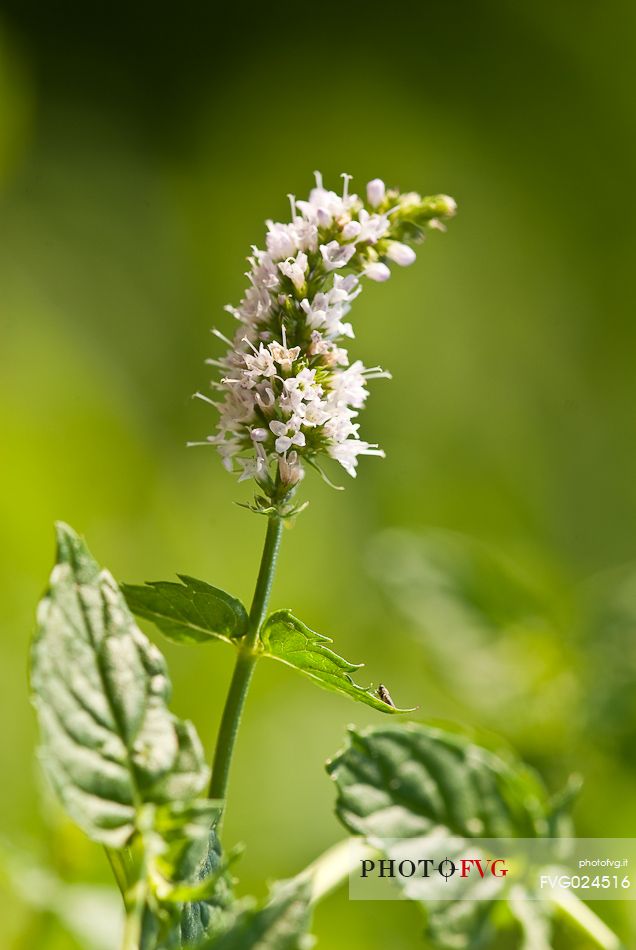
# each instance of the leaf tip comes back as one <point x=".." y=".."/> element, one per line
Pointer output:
<point x="65" y="537"/>
<point x="72" y="550"/>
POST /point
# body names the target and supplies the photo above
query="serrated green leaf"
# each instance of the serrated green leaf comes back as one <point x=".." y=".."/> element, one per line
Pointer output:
<point x="288" y="640"/>
<point x="281" y="924"/>
<point x="189" y="612"/>
<point x="412" y="779"/>
<point x="109" y="742"/>
<point x="127" y="770"/>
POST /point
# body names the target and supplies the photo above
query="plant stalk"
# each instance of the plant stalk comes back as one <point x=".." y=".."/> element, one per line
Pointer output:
<point x="580" y="916"/>
<point x="332" y="869"/>
<point x="118" y="867"/>
<point x="245" y="662"/>
<point x="135" y="903"/>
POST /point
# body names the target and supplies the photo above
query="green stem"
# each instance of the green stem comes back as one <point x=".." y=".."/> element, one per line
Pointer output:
<point x="245" y="662"/>
<point x="116" y="861"/>
<point x="329" y="871"/>
<point x="585" y="920"/>
<point x="135" y="907"/>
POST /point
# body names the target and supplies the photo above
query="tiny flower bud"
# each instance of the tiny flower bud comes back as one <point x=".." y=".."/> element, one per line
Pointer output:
<point x="377" y="272"/>
<point x="375" y="192"/>
<point x="435" y="206"/>
<point x="448" y="205"/>
<point x="351" y="230"/>
<point x="402" y="254"/>
<point x="290" y="469"/>
<point x="258" y="435"/>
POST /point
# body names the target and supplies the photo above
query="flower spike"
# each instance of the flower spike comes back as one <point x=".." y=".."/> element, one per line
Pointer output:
<point x="291" y="395"/>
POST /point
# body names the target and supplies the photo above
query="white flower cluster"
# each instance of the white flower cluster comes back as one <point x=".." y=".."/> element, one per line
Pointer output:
<point x="289" y="393"/>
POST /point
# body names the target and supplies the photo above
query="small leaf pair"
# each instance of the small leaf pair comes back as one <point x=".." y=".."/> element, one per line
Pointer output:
<point x="196" y="612"/>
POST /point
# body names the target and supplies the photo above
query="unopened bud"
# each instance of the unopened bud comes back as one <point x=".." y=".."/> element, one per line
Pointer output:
<point x="449" y="205"/>
<point x="438" y="206"/>
<point x="290" y="469"/>
<point x="351" y="230"/>
<point x="375" y="192"/>
<point x="402" y="254"/>
<point x="377" y="271"/>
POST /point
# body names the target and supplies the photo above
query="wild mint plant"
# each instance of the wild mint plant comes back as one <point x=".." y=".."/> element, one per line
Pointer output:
<point x="128" y="771"/>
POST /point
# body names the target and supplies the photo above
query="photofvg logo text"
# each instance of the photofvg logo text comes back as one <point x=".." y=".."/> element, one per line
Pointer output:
<point x="447" y="868"/>
<point x="431" y="868"/>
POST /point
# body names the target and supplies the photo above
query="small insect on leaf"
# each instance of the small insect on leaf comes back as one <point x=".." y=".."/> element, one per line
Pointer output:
<point x="384" y="695"/>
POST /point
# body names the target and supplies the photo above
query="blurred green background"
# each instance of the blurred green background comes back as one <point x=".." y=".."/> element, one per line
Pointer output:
<point x="487" y="570"/>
